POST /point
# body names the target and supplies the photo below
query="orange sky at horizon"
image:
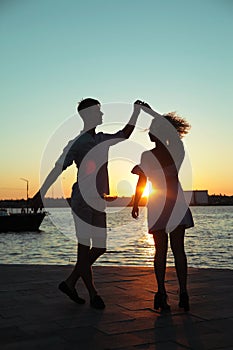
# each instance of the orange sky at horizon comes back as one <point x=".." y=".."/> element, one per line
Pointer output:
<point x="8" y="193"/>
<point x="121" y="185"/>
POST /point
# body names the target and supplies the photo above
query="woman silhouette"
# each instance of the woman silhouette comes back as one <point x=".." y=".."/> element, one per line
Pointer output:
<point x="168" y="212"/>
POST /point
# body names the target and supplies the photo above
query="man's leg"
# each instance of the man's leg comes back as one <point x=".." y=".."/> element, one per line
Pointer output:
<point x="88" y="258"/>
<point x="89" y="225"/>
<point x="98" y="235"/>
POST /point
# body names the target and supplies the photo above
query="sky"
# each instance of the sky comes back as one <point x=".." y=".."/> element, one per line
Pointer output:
<point x="176" y="55"/>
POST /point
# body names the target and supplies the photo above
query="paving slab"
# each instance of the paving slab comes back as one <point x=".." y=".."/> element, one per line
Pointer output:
<point x="34" y="314"/>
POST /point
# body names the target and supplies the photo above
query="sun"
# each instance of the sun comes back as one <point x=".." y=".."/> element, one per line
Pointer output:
<point x="148" y="189"/>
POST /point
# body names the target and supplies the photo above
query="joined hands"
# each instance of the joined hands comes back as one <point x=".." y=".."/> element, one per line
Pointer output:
<point x="141" y="105"/>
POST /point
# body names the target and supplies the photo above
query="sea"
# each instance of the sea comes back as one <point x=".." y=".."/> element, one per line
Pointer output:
<point x="209" y="244"/>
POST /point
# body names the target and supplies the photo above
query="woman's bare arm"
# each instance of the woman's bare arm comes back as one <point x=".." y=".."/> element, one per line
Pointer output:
<point x="138" y="194"/>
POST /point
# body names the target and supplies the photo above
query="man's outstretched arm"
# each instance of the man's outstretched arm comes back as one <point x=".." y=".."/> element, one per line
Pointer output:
<point x="37" y="200"/>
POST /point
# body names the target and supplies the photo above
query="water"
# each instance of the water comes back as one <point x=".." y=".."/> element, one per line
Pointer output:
<point x="208" y="244"/>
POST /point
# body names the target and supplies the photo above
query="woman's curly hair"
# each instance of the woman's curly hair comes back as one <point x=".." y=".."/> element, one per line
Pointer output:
<point x="181" y="125"/>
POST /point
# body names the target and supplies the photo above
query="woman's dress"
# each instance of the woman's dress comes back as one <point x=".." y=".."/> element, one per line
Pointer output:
<point x="167" y="207"/>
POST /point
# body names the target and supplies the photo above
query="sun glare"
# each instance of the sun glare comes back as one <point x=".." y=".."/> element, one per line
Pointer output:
<point x="148" y="189"/>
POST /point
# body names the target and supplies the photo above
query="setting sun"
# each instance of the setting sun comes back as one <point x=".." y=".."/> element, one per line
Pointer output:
<point x="148" y="189"/>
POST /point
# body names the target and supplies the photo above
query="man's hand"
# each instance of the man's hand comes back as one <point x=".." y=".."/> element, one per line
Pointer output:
<point x="36" y="202"/>
<point x="137" y="106"/>
<point x="108" y="198"/>
<point x="135" y="212"/>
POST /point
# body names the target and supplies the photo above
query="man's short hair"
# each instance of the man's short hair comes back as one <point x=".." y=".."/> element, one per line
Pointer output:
<point x="87" y="102"/>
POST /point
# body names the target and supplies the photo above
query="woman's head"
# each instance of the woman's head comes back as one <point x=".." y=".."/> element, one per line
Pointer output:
<point x="179" y="123"/>
<point x="160" y="126"/>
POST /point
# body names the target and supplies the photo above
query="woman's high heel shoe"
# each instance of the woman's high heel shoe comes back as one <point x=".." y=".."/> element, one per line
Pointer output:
<point x="160" y="302"/>
<point x="184" y="301"/>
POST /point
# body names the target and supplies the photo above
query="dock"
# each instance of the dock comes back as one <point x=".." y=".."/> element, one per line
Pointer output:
<point x="34" y="314"/>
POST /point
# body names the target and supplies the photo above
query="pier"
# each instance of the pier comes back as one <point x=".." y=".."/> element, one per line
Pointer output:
<point x="34" y="314"/>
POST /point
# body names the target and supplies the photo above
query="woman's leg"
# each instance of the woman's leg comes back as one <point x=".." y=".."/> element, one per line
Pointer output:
<point x="177" y="246"/>
<point x="161" y="243"/>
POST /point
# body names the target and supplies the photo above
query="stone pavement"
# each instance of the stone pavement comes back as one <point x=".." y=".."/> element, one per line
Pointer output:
<point x="34" y="314"/>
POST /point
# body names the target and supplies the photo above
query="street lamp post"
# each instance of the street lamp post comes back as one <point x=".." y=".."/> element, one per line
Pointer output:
<point x="27" y="189"/>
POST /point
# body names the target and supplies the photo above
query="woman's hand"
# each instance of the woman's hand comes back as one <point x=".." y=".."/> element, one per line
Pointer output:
<point x="135" y="212"/>
<point x="138" y="105"/>
<point x="145" y="106"/>
<point x="147" y="109"/>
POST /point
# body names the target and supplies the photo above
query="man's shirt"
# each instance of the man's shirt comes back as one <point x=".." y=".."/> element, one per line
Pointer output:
<point x="90" y="154"/>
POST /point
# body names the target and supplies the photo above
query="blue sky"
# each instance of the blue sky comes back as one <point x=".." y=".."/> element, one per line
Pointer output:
<point x="177" y="55"/>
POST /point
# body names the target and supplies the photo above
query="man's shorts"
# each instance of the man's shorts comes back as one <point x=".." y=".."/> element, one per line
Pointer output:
<point x="90" y="224"/>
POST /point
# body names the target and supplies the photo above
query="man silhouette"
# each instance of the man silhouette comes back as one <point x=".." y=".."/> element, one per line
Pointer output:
<point x="89" y="151"/>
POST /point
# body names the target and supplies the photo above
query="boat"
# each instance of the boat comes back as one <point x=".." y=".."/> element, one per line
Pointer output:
<point x="19" y="222"/>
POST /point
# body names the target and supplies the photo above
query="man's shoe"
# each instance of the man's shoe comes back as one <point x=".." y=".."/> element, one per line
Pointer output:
<point x="97" y="302"/>
<point x="72" y="294"/>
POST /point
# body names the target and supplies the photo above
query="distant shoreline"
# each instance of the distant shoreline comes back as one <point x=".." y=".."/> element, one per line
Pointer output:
<point x="213" y="200"/>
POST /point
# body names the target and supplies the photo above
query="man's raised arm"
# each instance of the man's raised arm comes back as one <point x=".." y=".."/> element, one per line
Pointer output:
<point x="128" y="129"/>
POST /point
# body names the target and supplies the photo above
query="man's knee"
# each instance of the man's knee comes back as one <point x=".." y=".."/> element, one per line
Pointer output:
<point x="100" y="251"/>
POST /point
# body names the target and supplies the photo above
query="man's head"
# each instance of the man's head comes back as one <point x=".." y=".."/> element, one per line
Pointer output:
<point x="89" y="111"/>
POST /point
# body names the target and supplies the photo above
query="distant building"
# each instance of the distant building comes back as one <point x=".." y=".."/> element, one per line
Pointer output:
<point x="197" y="197"/>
